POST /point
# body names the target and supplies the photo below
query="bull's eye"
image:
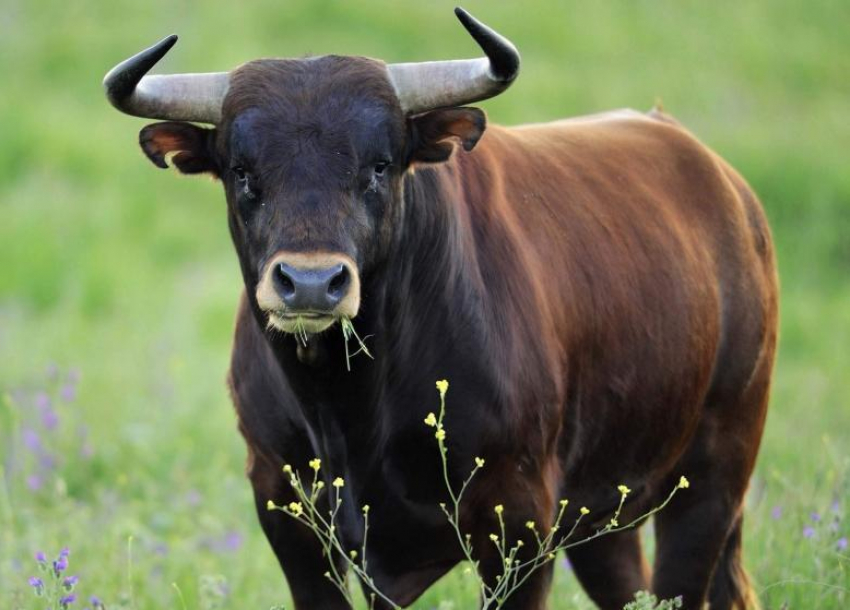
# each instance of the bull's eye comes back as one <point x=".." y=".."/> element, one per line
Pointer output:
<point x="381" y="167"/>
<point x="243" y="181"/>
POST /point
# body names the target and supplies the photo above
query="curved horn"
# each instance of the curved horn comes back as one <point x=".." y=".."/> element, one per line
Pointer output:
<point x="433" y="84"/>
<point x="176" y="97"/>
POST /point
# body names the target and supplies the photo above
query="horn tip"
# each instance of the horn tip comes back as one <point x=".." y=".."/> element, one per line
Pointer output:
<point x="504" y="57"/>
<point x="463" y="16"/>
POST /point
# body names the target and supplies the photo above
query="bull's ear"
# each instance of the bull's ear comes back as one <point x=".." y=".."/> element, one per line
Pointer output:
<point x="188" y="147"/>
<point x="432" y="133"/>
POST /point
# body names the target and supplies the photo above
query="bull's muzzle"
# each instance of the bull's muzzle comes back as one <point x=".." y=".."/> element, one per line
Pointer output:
<point x="308" y="292"/>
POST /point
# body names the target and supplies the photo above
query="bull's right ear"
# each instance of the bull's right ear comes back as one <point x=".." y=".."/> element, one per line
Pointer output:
<point x="189" y="148"/>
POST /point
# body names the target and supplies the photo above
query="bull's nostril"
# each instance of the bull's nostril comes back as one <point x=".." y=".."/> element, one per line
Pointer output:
<point x="285" y="283"/>
<point x="339" y="283"/>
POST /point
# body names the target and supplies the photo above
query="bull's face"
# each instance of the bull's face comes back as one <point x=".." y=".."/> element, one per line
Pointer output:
<point x="312" y="154"/>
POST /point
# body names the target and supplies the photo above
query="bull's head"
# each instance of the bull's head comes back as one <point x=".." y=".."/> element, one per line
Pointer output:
<point x="312" y="154"/>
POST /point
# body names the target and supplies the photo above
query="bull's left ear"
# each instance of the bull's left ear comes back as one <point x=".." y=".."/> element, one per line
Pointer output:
<point x="431" y="134"/>
<point x="188" y="147"/>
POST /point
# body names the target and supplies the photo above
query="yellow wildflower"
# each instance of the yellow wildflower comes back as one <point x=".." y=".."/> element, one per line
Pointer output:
<point x="440" y="434"/>
<point x="584" y="510"/>
<point x="684" y="483"/>
<point x="530" y="525"/>
<point x="287" y="469"/>
<point x="365" y="509"/>
<point x="614" y="523"/>
<point x="270" y="505"/>
<point x="338" y="482"/>
<point x="296" y="509"/>
<point x="564" y="503"/>
<point x="352" y="554"/>
<point x="479" y="462"/>
<point x="431" y="420"/>
<point x="494" y="538"/>
<point x="499" y="509"/>
<point x="315" y="464"/>
<point x="443" y="387"/>
<point x="624" y="490"/>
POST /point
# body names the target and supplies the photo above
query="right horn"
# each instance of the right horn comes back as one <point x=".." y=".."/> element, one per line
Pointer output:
<point x="175" y="97"/>
<point x="423" y="86"/>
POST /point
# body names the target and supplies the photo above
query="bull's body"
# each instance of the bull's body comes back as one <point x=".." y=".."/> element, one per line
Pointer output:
<point x="601" y="294"/>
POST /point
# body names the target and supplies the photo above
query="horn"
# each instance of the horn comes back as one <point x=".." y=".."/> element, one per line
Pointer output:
<point x="176" y="97"/>
<point x="427" y="85"/>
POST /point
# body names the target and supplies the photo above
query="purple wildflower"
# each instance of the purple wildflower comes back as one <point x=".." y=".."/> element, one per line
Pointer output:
<point x="68" y="392"/>
<point x="835" y="506"/>
<point x="70" y="582"/>
<point x="776" y="512"/>
<point x="34" y="482"/>
<point x="37" y="584"/>
<point x="815" y="516"/>
<point x="49" y="419"/>
<point x="60" y="565"/>
<point x="95" y="602"/>
<point x="40" y="557"/>
<point x="808" y="532"/>
<point x="31" y="439"/>
<point x="42" y="401"/>
<point x="232" y="541"/>
<point x="66" y="601"/>
<point x="64" y="552"/>
<point x="841" y="545"/>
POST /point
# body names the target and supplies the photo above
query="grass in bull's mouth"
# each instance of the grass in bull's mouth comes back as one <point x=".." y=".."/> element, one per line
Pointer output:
<point x="348" y="332"/>
<point x="300" y="331"/>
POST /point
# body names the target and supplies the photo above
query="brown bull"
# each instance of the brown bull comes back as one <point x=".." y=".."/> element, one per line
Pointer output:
<point x="600" y="291"/>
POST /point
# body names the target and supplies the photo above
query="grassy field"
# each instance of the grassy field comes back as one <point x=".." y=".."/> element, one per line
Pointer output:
<point x="118" y="283"/>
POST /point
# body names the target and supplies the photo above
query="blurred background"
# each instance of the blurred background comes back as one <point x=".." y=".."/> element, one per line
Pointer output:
<point x="118" y="282"/>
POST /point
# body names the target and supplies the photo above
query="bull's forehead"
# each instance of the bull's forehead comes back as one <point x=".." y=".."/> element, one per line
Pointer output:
<point x="297" y="114"/>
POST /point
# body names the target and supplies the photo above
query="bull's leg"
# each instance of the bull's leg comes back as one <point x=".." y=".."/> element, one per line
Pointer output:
<point x="730" y="587"/>
<point x="691" y="533"/>
<point x="531" y="595"/>
<point x="525" y="499"/>
<point x="611" y="569"/>
<point x="699" y="533"/>
<point x="296" y="547"/>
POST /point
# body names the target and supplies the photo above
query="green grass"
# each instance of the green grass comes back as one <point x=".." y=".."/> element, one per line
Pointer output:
<point x="126" y="273"/>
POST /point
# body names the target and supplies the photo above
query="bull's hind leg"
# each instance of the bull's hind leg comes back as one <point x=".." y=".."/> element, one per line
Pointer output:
<point x="699" y="533"/>
<point x="730" y="587"/>
<point x="611" y="569"/>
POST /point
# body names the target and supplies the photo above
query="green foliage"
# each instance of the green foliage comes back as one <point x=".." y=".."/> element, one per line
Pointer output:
<point x="126" y="272"/>
<point x="647" y="601"/>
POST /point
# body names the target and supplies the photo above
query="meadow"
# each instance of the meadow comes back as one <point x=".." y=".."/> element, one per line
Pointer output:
<point x="118" y="283"/>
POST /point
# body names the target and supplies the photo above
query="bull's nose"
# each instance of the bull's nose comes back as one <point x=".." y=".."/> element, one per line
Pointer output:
<point x="312" y="289"/>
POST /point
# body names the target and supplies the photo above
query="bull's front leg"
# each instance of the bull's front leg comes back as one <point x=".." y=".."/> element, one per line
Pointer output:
<point x="533" y="592"/>
<point x="523" y="500"/>
<point x="297" y="548"/>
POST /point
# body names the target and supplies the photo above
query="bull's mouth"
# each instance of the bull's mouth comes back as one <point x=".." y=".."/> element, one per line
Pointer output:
<point x="302" y="323"/>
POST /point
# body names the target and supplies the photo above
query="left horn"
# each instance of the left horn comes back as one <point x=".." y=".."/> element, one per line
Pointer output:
<point x="176" y="97"/>
<point x="427" y="85"/>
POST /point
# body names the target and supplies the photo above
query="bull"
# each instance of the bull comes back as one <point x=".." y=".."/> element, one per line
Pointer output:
<point x="601" y="291"/>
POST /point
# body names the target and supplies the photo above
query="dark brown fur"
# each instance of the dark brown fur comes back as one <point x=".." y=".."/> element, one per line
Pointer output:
<point x="600" y="292"/>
